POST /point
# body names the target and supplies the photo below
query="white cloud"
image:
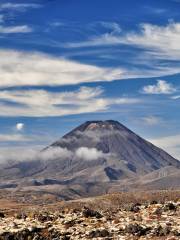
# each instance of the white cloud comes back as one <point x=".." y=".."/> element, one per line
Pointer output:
<point x="18" y="6"/>
<point x="159" y="45"/>
<point x="160" y="41"/>
<point x="19" y="126"/>
<point x="151" y="120"/>
<point x="21" y="154"/>
<point x="88" y="153"/>
<point x="36" y="69"/>
<point x="162" y="87"/>
<point x="20" y="68"/>
<point x="44" y="103"/>
<point x="53" y="153"/>
<point x="164" y="40"/>
<point x="171" y="144"/>
<point x="15" y="29"/>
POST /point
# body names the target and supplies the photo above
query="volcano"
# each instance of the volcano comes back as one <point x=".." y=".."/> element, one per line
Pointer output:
<point x="96" y="157"/>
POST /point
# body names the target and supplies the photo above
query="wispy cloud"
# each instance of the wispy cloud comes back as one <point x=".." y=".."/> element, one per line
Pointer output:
<point x="24" y="68"/>
<point x="112" y="26"/>
<point x="14" y="138"/>
<point x="18" y="6"/>
<point x="175" y="97"/>
<point x="155" y="10"/>
<point x="163" y="41"/>
<point x="152" y="120"/>
<point x="15" y="29"/>
<point x="43" y="103"/>
<point x="162" y="87"/>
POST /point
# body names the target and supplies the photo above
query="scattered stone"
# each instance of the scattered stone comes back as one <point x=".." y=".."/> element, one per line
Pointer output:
<point x="136" y="229"/>
<point x="170" y="207"/>
<point x="153" y="202"/>
<point x="99" y="233"/>
<point x="44" y="218"/>
<point x="21" y="216"/>
<point x="162" y="231"/>
<point x="135" y="208"/>
<point x="91" y="213"/>
<point x="158" y="211"/>
<point x="2" y="215"/>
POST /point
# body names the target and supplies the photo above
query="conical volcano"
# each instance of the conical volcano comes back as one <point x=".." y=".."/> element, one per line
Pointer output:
<point x="119" y="146"/>
<point x="95" y="158"/>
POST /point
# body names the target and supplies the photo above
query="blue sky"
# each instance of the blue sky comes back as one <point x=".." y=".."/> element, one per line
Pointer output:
<point x="66" y="62"/>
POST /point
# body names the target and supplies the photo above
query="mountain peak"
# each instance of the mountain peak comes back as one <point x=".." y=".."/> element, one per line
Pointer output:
<point x="96" y="125"/>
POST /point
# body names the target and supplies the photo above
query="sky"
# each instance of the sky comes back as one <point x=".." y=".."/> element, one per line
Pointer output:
<point x="64" y="62"/>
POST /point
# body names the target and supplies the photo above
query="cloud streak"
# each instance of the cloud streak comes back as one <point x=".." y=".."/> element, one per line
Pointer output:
<point x="14" y="138"/>
<point x="160" y="41"/>
<point x="38" y="69"/>
<point x="152" y="120"/>
<point x="40" y="103"/>
<point x="34" y="69"/>
<point x="15" y="29"/>
<point x="18" y="6"/>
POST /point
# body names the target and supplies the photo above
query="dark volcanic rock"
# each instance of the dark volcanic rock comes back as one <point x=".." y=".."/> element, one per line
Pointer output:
<point x="2" y="215"/>
<point x="91" y="213"/>
<point x="99" y="233"/>
<point x="136" y="229"/>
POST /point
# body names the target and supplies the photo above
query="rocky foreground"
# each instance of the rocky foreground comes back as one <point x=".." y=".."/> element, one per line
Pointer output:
<point x="135" y="221"/>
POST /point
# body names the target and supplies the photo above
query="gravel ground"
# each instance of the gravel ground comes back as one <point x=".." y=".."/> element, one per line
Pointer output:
<point x="135" y="221"/>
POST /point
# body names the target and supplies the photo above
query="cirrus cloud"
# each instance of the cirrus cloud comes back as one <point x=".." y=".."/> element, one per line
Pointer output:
<point x="160" y="41"/>
<point x="42" y="103"/>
